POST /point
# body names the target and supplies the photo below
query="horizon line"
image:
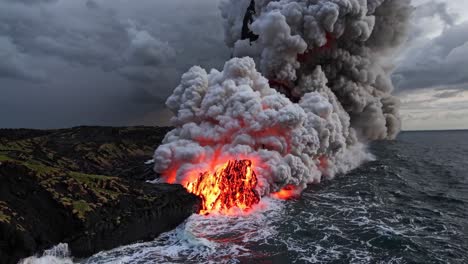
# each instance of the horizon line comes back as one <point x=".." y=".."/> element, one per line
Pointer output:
<point x="435" y="130"/>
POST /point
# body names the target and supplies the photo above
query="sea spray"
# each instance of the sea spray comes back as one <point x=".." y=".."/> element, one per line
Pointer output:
<point x="59" y="254"/>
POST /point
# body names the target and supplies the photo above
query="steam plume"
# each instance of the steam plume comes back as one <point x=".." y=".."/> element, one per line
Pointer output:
<point x="322" y="88"/>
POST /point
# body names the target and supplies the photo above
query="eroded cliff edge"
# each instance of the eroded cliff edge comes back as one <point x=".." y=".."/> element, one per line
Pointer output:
<point x="85" y="186"/>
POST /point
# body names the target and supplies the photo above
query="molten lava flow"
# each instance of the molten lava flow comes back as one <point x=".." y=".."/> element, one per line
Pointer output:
<point x="231" y="185"/>
<point x="287" y="193"/>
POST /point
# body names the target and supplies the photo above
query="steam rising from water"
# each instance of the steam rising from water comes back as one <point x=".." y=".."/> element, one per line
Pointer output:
<point x="204" y="239"/>
<point x="322" y="89"/>
<point x="59" y="254"/>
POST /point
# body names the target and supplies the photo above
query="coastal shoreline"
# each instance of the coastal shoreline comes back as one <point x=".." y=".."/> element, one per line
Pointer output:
<point x="85" y="186"/>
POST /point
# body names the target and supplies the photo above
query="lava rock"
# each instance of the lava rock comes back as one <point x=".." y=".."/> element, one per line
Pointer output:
<point x="84" y="186"/>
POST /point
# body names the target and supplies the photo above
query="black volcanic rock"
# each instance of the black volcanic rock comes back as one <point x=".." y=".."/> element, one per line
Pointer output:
<point x="119" y="152"/>
<point x="84" y="186"/>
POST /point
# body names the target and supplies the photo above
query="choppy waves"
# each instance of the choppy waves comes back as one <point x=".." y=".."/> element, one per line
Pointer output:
<point x="56" y="255"/>
<point x="204" y="239"/>
<point x="408" y="206"/>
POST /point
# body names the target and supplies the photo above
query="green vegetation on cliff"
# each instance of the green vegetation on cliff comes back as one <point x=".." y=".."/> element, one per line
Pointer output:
<point x="84" y="186"/>
<point x="4" y="214"/>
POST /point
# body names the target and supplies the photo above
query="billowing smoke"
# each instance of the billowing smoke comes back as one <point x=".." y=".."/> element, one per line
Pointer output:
<point x="321" y="90"/>
<point x="349" y="40"/>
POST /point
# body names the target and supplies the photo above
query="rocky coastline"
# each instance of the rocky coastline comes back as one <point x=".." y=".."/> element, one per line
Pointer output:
<point x="85" y="186"/>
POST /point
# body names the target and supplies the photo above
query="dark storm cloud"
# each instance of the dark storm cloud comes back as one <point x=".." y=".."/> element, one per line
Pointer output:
<point x="436" y="53"/>
<point x="112" y="57"/>
<point x="94" y="38"/>
<point x="439" y="61"/>
<point x="16" y="65"/>
<point x="111" y="62"/>
<point x="30" y="2"/>
<point x="92" y="4"/>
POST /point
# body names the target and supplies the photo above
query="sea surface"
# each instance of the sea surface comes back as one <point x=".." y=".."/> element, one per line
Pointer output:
<point x="408" y="206"/>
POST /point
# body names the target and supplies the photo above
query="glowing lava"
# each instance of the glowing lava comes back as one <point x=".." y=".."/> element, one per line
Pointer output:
<point x="231" y="185"/>
<point x="287" y="193"/>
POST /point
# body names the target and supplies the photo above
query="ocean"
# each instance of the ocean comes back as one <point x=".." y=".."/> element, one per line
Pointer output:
<point x="410" y="205"/>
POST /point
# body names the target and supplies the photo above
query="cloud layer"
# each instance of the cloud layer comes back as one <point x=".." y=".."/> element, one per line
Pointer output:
<point x="115" y="59"/>
<point x="439" y="61"/>
<point x="435" y="108"/>
<point x="114" y="62"/>
<point x="432" y="74"/>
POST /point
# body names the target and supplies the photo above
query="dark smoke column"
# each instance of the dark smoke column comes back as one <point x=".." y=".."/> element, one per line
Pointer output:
<point x="350" y="42"/>
<point x="308" y="87"/>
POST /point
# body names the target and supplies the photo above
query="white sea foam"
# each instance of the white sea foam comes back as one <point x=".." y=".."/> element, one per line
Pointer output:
<point x="59" y="254"/>
<point x="203" y="239"/>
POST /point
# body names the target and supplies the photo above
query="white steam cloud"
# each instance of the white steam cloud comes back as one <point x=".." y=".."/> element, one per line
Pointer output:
<point x="322" y="89"/>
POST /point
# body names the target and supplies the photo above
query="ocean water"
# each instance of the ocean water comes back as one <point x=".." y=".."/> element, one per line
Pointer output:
<point x="408" y="206"/>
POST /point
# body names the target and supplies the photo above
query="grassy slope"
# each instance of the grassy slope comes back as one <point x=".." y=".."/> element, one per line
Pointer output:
<point x="63" y="162"/>
<point x="85" y="185"/>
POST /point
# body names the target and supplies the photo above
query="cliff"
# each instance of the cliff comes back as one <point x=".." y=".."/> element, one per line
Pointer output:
<point x="84" y="186"/>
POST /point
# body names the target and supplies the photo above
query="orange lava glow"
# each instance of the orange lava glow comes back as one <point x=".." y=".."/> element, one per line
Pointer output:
<point x="287" y="193"/>
<point x="323" y="162"/>
<point x="230" y="185"/>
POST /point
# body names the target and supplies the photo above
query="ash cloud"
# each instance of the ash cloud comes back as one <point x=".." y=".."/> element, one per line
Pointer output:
<point x="52" y="45"/>
<point x="351" y="42"/>
<point x="316" y="88"/>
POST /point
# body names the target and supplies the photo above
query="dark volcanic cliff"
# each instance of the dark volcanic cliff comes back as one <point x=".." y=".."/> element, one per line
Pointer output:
<point x="84" y="186"/>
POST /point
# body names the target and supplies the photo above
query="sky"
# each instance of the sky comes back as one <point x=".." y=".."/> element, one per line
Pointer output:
<point x="431" y="75"/>
<point x="114" y="62"/>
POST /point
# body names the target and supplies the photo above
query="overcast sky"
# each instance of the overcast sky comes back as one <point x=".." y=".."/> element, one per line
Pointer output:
<point x="432" y="73"/>
<point x="113" y="62"/>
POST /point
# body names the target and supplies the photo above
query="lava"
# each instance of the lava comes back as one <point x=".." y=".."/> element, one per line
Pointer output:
<point x="323" y="162"/>
<point x="231" y="185"/>
<point x="287" y="193"/>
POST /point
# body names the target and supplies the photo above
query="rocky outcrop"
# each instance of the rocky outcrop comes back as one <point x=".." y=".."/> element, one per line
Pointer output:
<point x="83" y="186"/>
